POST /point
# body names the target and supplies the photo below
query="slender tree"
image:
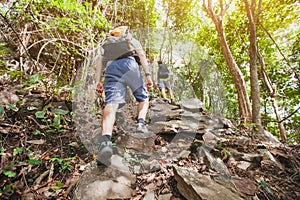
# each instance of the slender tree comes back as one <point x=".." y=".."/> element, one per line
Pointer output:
<point x="238" y="78"/>
<point x="255" y="93"/>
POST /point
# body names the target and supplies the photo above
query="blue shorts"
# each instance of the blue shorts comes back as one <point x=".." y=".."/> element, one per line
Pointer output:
<point x="164" y="83"/>
<point x="118" y="75"/>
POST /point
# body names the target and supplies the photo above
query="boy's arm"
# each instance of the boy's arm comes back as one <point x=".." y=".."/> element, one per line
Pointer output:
<point x="145" y="65"/>
<point x="143" y="59"/>
<point x="99" y="86"/>
<point x="98" y="68"/>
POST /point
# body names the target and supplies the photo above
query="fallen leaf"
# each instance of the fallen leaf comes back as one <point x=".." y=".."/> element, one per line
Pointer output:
<point x="36" y="141"/>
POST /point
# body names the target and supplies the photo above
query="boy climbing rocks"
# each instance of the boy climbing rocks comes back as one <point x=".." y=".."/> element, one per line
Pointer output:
<point x="122" y="70"/>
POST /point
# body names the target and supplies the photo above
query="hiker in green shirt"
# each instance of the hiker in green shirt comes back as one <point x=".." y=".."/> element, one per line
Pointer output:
<point x="163" y="79"/>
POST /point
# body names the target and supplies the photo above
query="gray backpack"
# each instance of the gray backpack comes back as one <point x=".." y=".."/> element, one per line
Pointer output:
<point x="163" y="71"/>
<point x="117" y="47"/>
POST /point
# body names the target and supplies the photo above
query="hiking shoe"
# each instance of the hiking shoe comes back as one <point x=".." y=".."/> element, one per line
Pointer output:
<point x="141" y="128"/>
<point x="105" y="153"/>
<point x="166" y="100"/>
<point x="172" y="102"/>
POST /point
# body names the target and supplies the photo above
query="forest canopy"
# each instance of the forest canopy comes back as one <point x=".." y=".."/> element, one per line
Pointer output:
<point x="216" y="48"/>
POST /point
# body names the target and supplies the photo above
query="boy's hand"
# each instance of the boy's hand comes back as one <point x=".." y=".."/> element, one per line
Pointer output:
<point x="100" y="87"/>
<point x="149" y="83"/>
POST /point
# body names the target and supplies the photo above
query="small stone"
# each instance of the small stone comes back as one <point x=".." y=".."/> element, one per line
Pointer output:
<point x="243" y="165"/>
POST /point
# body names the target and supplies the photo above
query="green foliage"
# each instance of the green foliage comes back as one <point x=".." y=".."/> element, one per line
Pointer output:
<point x="37" y="132"/>
<point x="53" y="119"/>
<point x="129" y="157"/>
<point x="9" y="174"/>
<point x="17" y="151"/>
<point x="57" y="186"/>
<point x="59" y="112"/>
<point x="13" y="107"/>
<point x="275" y="32"/>
<point x="278" y="32"/>
<point x="7" y="188"/>
<point x="2" y="111"/>
<point x="137" y="13"/>
<point x="10" y="168"/>
<point x="2" y="150"/>
<point x="20" y="157"/>
<point x="12" y="73"/>
<point x="40" y="114"/>
<point x="62" y="31"/>
<point x="226" y="152"/>
<point x="182" y="14"/>
<point x="33" y="161"/>
<point x="64" y="163"/>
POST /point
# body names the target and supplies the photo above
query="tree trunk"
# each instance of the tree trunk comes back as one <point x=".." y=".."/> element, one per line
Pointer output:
<point x="255" y="93"/>
<point x="272" y="90"/>
<point x="273" y="95"/>
<point x="238" y="78"/>
<point x="164" y="33"/>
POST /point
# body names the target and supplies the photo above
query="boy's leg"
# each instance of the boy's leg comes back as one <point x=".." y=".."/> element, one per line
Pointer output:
<point x="162" y="88"/>
<point x="109" y="117"/>
<point x="143" y="109"/>
<point x="171" y="94"/>
<point x="141" y="96"/>
<point x="163" y="93"/>
<point x="142" y="112"/>
<point x="105" y="149"/>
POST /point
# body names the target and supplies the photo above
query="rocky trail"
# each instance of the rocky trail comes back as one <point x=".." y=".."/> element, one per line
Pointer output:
<point x="188" y="154"/>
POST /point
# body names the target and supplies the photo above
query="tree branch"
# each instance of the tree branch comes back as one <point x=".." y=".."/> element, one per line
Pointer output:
<point x="281" y="53"/>
<point x="19" y="39"/>
<point x="289" y="115"/>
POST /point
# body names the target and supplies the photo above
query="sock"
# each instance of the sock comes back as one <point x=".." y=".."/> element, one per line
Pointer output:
<point x="105" y="138"/>
<point x="141" y="120"/>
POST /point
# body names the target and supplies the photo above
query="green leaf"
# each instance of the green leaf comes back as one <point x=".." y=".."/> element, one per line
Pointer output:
<point x="9" y="174"/>
<point x="226" y="152"/>
<point x="56" y="121"/>
<point x="1" y="111"/>
<point x="181" y="145"/>
<point x="13" y="107"/>
<point x="17" y="151"/>
<point x="31" y="108"/>
<point x="40" y="114"/>
<point x="58" y="186"/>
<point x="32" y="161"/>
<point x="35" y="78"/>
<point x="59" y="112"/>
<point x="55" y="188"/>
<point x="51" y="131"/>
<point x="2" y="150"/>
<point x="7" y="188"/>
<point x="37" y="132"/>
<point x="14" y="74"/>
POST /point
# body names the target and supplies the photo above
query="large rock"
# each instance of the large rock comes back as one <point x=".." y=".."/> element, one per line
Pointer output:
<point x="164" y="112"/>
<point x="140" y="143"/>
<point x="193" y="105"/>
<point x="193" y="186"/>
<point x="101" y="183"/>
<point x="8" y="97"/>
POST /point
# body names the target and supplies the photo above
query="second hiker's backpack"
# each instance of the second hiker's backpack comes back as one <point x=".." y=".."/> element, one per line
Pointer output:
<point x="163" y="71"/>
<point x="118" y="44"/>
